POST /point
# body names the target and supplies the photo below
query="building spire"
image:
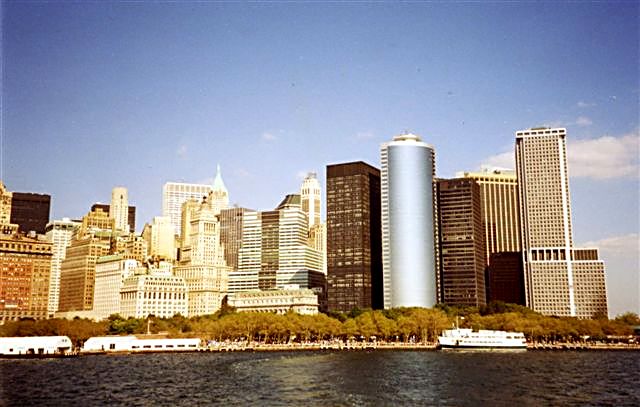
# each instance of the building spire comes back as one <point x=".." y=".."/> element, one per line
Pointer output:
<point x="218" y="184"/>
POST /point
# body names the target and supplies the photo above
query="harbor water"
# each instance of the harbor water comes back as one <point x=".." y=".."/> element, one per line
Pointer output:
<point x="329" y="378"/>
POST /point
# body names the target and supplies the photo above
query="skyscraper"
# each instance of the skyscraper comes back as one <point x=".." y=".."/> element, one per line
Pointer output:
<point x="174" y="194"/>
<point x="310" y="198"/>
<point x="408" y="230"/>
<point x="59" y="234"/>
<point x="30" y="211"/>
<point x="354" y="248"/>
<point x="119" y="208"/>
<point x="231" y="229"/>
<point x="462" y="243"/>
<point x="559" y="280"/>
<point x="500" y="211"/>
<point x="202" y="263"/>
<point x="275" y="251"/>
<point x="160" y="238"/>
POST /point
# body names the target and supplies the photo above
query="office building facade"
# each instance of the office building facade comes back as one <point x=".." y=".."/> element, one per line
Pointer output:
<point x="131" y="214"/>
<point x="462" y="243"/>
<point x="30" y="211"/>
<point x="408" y="222"/>
<point x="500" y="209"/>
<point x="354" y="246"/>
<point x="25" y="266"/>
<point x="558" y="279"/>
<point x="174" y="194"/>
<point x="59" y="233"/>
<point x="119" y="208"/>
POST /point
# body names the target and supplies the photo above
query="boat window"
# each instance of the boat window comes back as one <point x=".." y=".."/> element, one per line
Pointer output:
<point x="135" y="347"/>
<point x="158" y="346"/>
<point x="147" y="346"/>
<point x="181" y="346"/>
<point x="192" y="346"/>
<point x="169" y="346"/>
<point x="112" y="346"/>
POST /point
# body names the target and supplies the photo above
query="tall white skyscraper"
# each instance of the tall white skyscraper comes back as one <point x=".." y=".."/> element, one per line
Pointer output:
<point x="174" y="194"/>
<point x="559" y="279"/>
<point x="119" y="208"/>
<point x="310" y="198"/>
<point x="59" y="233"/>
<point x="408" y="234"/>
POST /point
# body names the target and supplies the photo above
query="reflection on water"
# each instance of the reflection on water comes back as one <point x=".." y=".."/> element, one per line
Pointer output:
<point x="331" y="378"/>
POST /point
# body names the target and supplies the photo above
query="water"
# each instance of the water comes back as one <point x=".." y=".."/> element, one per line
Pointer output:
<point x="326" y="379"/>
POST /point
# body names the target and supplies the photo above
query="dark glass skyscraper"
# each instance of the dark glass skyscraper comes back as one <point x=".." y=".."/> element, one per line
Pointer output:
<point x="354" y="248"/>
<point x="30" y="211"/>
<point x="462" y="242"/>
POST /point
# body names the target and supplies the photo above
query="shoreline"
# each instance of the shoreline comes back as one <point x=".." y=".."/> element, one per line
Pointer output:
<point x="358" y="347"/>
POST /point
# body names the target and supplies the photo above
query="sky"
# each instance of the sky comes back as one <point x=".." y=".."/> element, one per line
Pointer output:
<point x="136" y="94"/>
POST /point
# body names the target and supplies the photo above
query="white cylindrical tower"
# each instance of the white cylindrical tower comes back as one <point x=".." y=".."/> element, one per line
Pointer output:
<point x="408" y="252"/>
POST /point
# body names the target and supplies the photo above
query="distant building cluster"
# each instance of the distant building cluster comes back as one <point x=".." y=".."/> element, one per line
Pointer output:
<point x="397" y="236"/>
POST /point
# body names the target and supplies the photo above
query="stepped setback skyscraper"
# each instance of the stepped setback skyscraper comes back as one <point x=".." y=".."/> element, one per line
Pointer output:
<point x="559" y="280"/>
<point x="408" y="227"/>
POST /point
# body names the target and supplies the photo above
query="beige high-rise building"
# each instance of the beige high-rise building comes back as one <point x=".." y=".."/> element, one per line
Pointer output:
<point x="499" y="207"/>
<point x="59" y="234"/>
<point x="111" y="271"/>
<point x="559" y="280"/>
<point x="202" y="264"/>
<point x="119" y="208"/>
<point x="78" y="273"/>
<point x="160" y="238"/>
<point x="96" y="220"/>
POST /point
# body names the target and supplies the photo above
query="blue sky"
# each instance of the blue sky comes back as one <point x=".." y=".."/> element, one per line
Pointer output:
<point x="96" y="95"/>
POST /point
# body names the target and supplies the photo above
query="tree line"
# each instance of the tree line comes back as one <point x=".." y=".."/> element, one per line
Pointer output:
<point x="417" y="325"/>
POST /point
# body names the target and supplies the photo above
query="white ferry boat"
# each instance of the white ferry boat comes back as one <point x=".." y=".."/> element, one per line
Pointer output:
<point x="483" y="339"/>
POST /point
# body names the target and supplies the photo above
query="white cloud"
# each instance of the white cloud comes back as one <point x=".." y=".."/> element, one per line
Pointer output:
<point x="266" y="136"/>
<point x="583" y="121"/>
<point x="626" y="245"/>
<point x="582" y="104"/>
<point x="182" y="151"/>
<point x="502" y="160"/>
<point x="621" y="255"/>
<point x="605" y="157"/>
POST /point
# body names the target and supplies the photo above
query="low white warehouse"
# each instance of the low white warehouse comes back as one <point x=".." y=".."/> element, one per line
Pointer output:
<point x="35" y="345"/>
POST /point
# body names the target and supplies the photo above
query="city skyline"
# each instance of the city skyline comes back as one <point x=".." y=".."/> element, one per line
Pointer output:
<point x="269" y="101"/>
